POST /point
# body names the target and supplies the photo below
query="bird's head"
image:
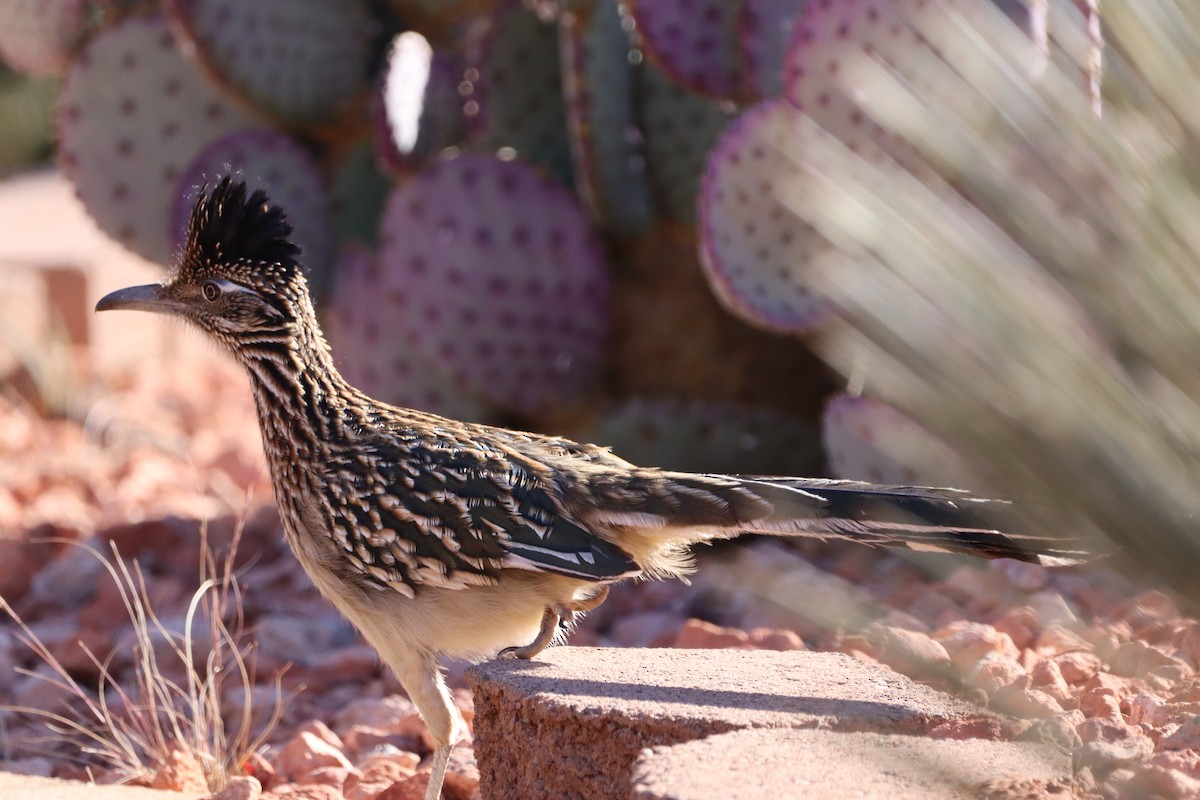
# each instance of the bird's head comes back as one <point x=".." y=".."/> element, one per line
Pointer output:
<point x="238" y="277"/>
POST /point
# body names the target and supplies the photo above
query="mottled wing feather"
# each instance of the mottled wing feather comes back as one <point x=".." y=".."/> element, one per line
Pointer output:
<point x="453" y="513"/>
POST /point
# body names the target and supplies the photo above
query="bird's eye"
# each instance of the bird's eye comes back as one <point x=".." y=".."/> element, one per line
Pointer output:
<point x="211" y="290"/>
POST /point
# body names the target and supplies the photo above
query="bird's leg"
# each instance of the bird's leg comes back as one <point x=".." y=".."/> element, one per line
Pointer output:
<point x="441" y="757"/>
<point x="422" y="680"/>
<point x="550" y="619"/>
<point x="586" y="605"/>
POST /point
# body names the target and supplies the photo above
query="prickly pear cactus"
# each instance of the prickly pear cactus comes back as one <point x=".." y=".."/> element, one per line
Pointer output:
<point x="753" y="248"/>
<point x="705" y="437"/>
<point x="694" y="42"/>
<point x="680" y="127"/>
<point x="517" y="90"/>
<point x="367" y="350"/>
<point x="601" y="83"/>
<point x="37" y="36"/>
<point x="764" y="30"/>
<point x="460" y="143"/>
<point x="871" y="441"/>
<point x="501" y="280"/>
<point x="297" y="60"/>
<point x="132" y="114"/>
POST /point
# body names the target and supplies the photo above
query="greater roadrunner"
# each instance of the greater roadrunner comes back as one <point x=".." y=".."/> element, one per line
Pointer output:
<point x="436" y="537"/>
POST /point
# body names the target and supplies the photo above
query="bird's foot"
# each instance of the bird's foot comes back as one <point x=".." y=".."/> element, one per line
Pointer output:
<point x="550" y="619"/>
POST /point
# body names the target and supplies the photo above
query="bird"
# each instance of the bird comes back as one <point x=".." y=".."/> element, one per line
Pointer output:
<point x="439" y="538"/>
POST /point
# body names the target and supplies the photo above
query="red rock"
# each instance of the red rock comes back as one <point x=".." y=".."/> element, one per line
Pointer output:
<point x="303" y="791"/>
<point x="379" y="713"/>
<point x="968" y="642"/>
<point x="1148" y="780"/>
<point x="356" y="663"/>
<point x="1147" y="707"/>
<point x="411" y="788"/>
<point x="1185" y="761"/>
<point x="994" y="671"/>
<point x="981" y="727"/>
<point x="307" y="751"/>
<point x="73" y="652"/>
<point x="1137" y="659"/>
<point x="910" y="652"/>
<point x="378" y="774"/>
<point x="322" y="731"/>
<point x="1077" y="668"/>
<point x="1105" y="754"/>
<point x="1020" y="623"/>
<point x="181" y="773"/>
<point x="1055" y="639"/>
<point x="244" y="787"/>
<point x="330" y="776"/>
<point x="698" y="634"/>
<point x="1048" y="677"/>
<point x="414" y="727"/>
<point x="1100" y="703"/>
<point x="462" y="774"/>
<point x="362" y="740"/>
<point x="775" y="639"/>
<point x="1187" y="737"/>
<point x="1026" y="703"/>
<point x="646" y="629"/>
<point x="1189" y="644"/>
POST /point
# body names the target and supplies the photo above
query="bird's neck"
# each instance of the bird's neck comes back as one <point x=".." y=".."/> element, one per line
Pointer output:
<point x="298" y="392"/>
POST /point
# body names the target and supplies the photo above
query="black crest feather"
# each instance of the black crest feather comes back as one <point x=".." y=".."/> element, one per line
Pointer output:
<point x="229" y="227"/>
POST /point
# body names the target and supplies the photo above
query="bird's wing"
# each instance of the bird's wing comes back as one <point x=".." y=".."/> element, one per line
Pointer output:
<point x="452" y="513"/>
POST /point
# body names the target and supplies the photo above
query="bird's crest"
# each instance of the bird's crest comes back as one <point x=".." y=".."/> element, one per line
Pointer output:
<point x="235" y="232"/>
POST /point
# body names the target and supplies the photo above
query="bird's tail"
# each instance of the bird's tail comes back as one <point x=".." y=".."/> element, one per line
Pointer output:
<point x="919" y="518"/>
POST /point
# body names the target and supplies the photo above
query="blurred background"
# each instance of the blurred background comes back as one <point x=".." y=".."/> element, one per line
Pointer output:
<point x="948" y="242"/>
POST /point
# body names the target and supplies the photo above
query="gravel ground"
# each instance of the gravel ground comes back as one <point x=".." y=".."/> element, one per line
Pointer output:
<point x="1078" y="657"/>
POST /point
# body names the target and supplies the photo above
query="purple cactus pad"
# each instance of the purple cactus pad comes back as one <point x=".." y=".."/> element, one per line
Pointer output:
<point x="363" y="323"/>
<point x="499" y="279"/>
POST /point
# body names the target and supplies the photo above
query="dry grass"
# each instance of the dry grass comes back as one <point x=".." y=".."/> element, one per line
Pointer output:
<point x="133" y="730"/>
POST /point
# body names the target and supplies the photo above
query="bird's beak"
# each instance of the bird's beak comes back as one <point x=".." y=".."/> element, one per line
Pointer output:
<point x="138" y="298"/>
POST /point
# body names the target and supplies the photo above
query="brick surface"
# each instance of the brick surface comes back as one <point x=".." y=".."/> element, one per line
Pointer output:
<point x="572" y="723"/>
<point x="758" y="764"/>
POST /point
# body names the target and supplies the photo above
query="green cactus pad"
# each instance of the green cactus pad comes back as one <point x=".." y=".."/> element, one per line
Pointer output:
<point x="610" y="167"/>
<point x="705" y="437"/>
<point x="680" y="127"/>
<point x="753" y="249"/>
<point x="868" y="440"/>
<point x="764" y="30"/>
<point x="37" y="36"/>
<point x="518" y="92"/>
<point x="275" y="162"/>
<point x="297" y="60"/>
<point x="132" y="114"/>
<point x="362" y="322"/>
<point x="694" y="42"/>
<point x="501" y="281"/>
<point x="360" y="190"/>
